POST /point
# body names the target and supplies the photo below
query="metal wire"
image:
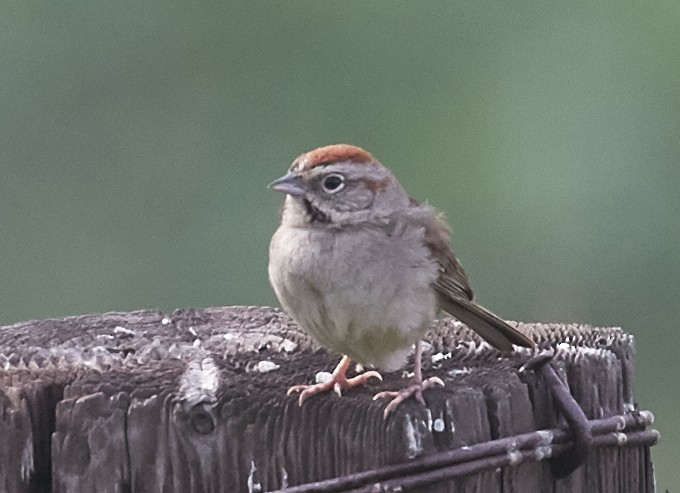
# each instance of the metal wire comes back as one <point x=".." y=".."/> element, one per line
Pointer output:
<point x="616" y="431"/>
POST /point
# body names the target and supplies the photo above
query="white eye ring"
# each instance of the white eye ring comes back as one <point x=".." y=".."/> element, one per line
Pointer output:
<point x="333" y="182"/>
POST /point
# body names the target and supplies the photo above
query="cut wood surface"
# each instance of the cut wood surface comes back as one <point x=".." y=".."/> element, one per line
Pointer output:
<point x="195" y="401"/>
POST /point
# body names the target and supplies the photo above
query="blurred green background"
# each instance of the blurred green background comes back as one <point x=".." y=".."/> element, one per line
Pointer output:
<point x="137" y="140"/>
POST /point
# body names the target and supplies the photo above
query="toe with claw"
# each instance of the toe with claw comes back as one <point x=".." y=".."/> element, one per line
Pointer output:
<point x="416" y="390"/>
<point x="337" y="382"/>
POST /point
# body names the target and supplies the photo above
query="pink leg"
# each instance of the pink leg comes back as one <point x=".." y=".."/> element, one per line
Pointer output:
<point x="415" y="389"/>
<point x="337" y="382"/>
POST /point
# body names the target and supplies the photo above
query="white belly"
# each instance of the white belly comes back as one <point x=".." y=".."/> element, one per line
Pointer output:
<point x="360" y="293"/>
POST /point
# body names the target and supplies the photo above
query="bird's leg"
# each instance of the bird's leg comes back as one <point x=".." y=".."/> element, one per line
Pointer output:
<point x="337" y="382"/>
<point x="415" y="389"/>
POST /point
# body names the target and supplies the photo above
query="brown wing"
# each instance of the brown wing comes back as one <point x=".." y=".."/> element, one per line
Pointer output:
<point x="456" y="296"/>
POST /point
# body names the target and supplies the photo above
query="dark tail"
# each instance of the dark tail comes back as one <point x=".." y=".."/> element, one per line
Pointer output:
<point x="492" y="329"/>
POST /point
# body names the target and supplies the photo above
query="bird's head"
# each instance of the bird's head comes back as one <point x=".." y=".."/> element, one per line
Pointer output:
<point x="338" y="184"/>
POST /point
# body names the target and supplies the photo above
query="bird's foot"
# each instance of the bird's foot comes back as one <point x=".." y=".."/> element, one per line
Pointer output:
<point x="338" y="382"/>
<point x="415" y="390"/>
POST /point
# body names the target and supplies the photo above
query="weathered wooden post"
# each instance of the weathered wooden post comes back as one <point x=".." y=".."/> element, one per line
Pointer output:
<point x="195" y="401"/>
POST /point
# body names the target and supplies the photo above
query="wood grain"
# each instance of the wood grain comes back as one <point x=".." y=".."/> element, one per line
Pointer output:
<point x="194" y="401"/>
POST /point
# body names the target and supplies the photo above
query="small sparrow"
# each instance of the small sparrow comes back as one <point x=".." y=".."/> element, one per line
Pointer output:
<point x="364" y="268"/>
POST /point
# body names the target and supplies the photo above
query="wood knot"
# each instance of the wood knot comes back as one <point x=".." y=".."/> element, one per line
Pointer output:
<point x="202" y="419"/>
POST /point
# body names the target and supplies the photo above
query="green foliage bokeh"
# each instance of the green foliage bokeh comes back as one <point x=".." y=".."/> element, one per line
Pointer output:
<point x="137" y="140"/>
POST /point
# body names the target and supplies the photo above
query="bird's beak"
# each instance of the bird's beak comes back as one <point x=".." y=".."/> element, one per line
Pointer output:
<point x="290" y="184"/>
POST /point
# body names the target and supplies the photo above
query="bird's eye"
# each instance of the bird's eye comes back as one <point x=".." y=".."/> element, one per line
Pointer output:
<point x="333" y="183"/>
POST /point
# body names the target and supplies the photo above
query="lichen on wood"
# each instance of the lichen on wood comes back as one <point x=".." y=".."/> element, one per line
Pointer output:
<point x="196" y="401"/>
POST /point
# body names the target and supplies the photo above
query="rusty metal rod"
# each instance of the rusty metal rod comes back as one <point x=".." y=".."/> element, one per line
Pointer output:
<point x="536" y="445"/>
<point x="636" y="438"/>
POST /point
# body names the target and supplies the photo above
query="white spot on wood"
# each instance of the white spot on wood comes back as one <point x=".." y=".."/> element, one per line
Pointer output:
<point x="436" y="358"/>
<point x="450" y="416"/>
<point x="284" y="478"/>
<point x="193" y="331"/>
<point x="166" y="321"/>
<point x="413" y="438"/>
<point x="199" y="382"/>
<point x="322" y="377"/>
<point x="253" y="487"/>
<point x="288" y="346"/>
<point x="428" y="411"/>
<point x="456" y="372"/>
<point x="229" y="337"/>
<point x="266" y="366"/>
<point x="580" y="350"/>
<point x="439" y="425"/>
<point x="27" y="466"/>
<point x="197" y="343"/>
<point x="123" y="330"/>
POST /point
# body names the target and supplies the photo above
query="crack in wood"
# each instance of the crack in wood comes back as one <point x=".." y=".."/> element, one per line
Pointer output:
<point x="129" y="402"/>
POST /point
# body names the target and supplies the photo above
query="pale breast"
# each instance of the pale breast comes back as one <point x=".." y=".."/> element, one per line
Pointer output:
<point x="364" y="292"/>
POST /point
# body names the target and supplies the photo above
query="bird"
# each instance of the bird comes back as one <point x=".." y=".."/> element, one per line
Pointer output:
<point x="364" y="269"/>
